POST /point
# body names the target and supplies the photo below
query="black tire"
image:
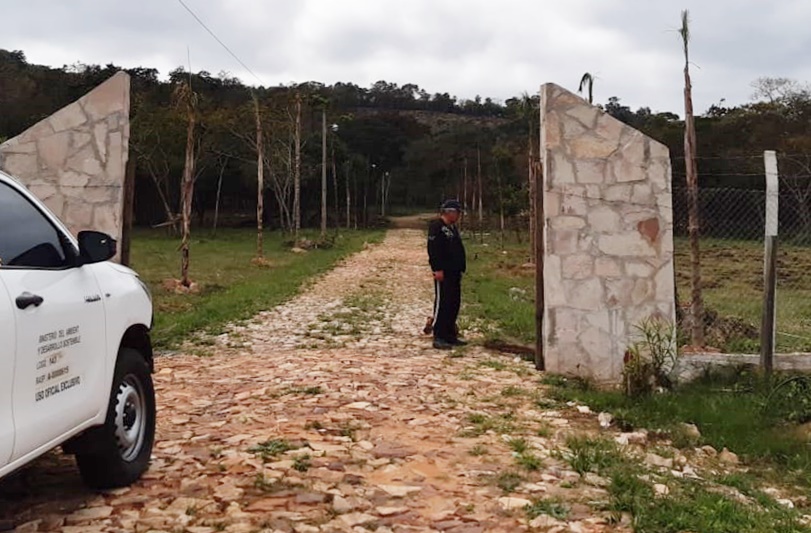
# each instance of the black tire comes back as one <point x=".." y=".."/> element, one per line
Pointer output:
<point x="117" y="453"/>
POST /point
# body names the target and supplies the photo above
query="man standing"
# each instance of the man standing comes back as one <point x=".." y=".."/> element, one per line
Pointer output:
<point x="446" y="254"/>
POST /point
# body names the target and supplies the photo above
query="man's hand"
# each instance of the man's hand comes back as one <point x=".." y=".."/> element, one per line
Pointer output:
<point x="439" y="275"/>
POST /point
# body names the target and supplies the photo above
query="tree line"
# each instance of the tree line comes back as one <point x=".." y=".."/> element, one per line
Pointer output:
<point x="386" y="147"/>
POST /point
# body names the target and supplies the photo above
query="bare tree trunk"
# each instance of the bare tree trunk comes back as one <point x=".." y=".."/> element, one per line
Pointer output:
<point x="348" y="200"/>
<point x="365" y="205"/>
<point x="481" y="211"/>
<point x="219" y="195"/>
<point x="260" y="183"/>
<point x="323" y="172"/>
<point x="170" y="217"/>
<point x="187" y="194"/>
<point x="531" y="178"/>
<point x="697" y="304"/>
<point x="464" y="199"/>
<point x="297" y="173"/>
<point x="500" y="208"/>
<point x="335" y="190"/>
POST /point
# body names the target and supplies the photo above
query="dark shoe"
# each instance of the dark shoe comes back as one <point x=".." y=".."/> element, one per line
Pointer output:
<point x="459" y="342"/>
<point x="442" y="344"/>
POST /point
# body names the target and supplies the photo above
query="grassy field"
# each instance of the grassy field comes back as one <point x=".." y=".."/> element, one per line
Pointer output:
<point x="498" y="288"/>
<point x="231" y="287"/>
<point x="732" y="273"/>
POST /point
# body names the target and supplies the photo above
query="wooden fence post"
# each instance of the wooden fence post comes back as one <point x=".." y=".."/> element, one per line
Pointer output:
<point x="768" y="328"/>
<point x="128" y="212"/>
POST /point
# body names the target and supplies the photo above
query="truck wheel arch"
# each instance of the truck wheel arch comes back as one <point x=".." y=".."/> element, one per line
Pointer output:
<point x="137" y="338"/>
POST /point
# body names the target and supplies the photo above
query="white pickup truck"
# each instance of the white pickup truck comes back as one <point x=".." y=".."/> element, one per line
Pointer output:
<point x="75" y="353"/>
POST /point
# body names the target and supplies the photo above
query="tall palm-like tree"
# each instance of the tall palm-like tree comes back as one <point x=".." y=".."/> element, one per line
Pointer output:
<point x="697" y="304"/>
<point x="587" y="82"/>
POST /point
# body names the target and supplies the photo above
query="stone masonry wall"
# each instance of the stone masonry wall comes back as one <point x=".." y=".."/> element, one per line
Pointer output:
<point x="608" y="236"/>
<point x="75" y="160"/>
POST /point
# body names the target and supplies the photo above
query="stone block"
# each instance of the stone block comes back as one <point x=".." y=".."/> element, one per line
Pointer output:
<point x="106" y="219"/>
<point x="604" y="219"/>
<point x="591" y="147"/>
<point x="585" y="115"/>
<point x="579" y="266"/>
<point x="75" y="159"/>
<point x="21" y="164"/>
<point x="607" y="267"/>
<point x="100" y="140"/>
<point x="564" y="242"/>
<point x="567" y="222"/>
<point x="626" y="245"/>
<point x="69" y="118"/>
<point x="591" y="171"/>
<point x="587" y="295"/>
<point x="618" y="292"/>
<point x="609" y="236"/>
<point x="639" y="269"/>
<point x="562" y="169"/>
<point x="574" y="203"/>
<point x="553" y="281"/>
<point x="618" y="193"/>
<point x="53" y="149"/>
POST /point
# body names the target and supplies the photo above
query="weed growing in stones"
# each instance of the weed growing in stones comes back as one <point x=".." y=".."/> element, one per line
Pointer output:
<point x="518" y="445"/>
<point x="478" y="450"/>
<point x="494" y="364"/>
<point x="529" y="461"/>
<point x="302" y="463"/>
<point x="550" y="507"/>
<point x="508" y="481"/>
<point x="596" y="455"/>
<point x="512" y="391"/>
<point x="272" y="448"/>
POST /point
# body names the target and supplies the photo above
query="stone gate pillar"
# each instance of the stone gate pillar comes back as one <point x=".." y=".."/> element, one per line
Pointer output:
<point x="75" y="160"/>
<point x="608" y="236"/>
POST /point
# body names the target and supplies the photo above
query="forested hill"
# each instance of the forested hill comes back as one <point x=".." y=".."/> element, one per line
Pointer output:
<point x="421" y="145"/>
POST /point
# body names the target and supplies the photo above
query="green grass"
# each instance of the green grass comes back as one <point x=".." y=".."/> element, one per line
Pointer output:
<point x="586" y="454"/>
<point x="481" y="424"/>
<point x="302" y="463"/>
<point x="501" y="292"/>
<point x="272" y="448"/>
<point x="732" y="277"/>
<point x="487" y="288"/>
<point x="691" y="505"/>
<point x="550" y="506"/>
<point x="231" y="287"/>
<point x="508" y="481"/>
<point x="529" y="461"/>
<point x="731" y="414"/>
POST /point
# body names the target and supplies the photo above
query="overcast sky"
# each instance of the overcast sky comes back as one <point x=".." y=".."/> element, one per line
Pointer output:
<point x="496" y="48"/>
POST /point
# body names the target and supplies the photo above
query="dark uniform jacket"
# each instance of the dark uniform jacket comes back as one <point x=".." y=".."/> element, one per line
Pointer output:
<point x="445" y="249"/>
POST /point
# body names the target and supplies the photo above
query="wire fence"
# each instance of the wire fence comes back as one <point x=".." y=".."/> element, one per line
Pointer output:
<point x="732" y="222"/>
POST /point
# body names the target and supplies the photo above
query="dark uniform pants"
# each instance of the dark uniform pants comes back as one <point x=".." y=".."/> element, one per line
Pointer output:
<point x="447" y="300"/>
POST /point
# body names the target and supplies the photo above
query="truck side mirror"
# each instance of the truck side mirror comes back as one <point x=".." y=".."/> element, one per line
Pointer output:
<point x="96" y="247"/>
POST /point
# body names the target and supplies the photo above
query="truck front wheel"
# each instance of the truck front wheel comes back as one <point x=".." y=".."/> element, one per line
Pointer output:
<point x="119" y="451"/>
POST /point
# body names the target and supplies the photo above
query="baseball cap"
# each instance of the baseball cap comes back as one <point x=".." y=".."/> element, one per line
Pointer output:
<point x="451" y="205"/>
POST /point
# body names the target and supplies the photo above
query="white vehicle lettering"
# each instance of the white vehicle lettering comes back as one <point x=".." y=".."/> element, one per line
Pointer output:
<point x="57" y="340"/>
<point x="53" y="390"/>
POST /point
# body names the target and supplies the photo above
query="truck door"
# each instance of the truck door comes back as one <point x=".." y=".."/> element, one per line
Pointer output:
<point x="60" y="326"/>
<point x="7" y="345"/>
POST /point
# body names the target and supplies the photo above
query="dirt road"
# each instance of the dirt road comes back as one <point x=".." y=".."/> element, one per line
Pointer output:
<point x="332" y="413"/>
